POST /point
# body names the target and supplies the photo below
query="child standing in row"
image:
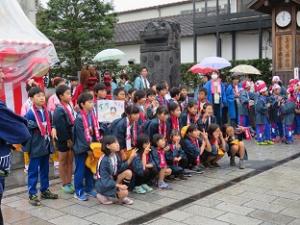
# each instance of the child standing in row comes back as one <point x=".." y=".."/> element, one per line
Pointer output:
<point x="39" y="147"/>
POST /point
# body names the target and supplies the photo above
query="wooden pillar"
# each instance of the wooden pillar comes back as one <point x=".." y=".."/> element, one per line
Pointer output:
<point x="194" y="33"/>
<point x="233" y="44"/>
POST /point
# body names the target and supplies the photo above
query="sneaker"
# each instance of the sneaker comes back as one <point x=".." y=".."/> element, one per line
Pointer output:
<point x="127" y="201"/>
<point x="67" y="189"/>
<point x="270" y="142"/>
<point x="34" y="200"/>
<point x="49" y="195"/>
<point x="182" y="177"/>
<point x="262" y="143"/>
<point x="163" y="185"/>
<point x="139" y="190"/>
<point x="81" y="197"/>
<point x="232" y="161"/>
<point x="104" y="200"/>
<point x="242" y="164"/>
<point x="72" y="187"/>
<point x="92" y="193"/>
<point x="197" y="170"/>
<point x="147" y="188"/>
<point x="26" y="169"/>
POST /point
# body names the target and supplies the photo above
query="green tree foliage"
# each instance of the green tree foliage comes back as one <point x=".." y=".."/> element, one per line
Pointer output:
<point x="79" y="29"/>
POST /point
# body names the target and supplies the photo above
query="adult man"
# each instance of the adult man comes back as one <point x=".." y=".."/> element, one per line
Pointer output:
<point x="141" y="82"/>
<point x="13" y="130"/>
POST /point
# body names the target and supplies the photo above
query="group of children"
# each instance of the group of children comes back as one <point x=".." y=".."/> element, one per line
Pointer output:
<point x="157" y="138"/>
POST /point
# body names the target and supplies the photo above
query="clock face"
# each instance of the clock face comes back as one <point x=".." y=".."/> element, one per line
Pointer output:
<point x="283" y="19"/>
<point x="298" y="18"/>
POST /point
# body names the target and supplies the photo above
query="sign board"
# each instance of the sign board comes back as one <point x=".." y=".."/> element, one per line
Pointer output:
<point x="296" y="73"/>
<point x="109" y="110"/>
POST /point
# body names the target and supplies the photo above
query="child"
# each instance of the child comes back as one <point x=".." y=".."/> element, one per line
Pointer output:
<point x="113" y="175"/>
<point x="130" y="96"/>
<point x="191" y="115"/>
<point x="173" y="120"/>
<point x="126" y="128"/>
<point x="287" y="110"/>
<point x="202" y="99"/>
<point x="86" y="131"/>
<point x="175" y="95"/>
<point x="246" y="100"/>
<point x="275" y="118"/>
<point x="159" y="125"/>
<point x="161" y="94"/>
<point x="175" y="156"/>
<point x="139" y="101"/>
<point x="167" y="96"/>
<point x="39" y="147"/>
<point x="100" y="91"/>
<point x="207" y="117"/>
<point x="236" y="147"/>
<point x="160" y="148"/>
<point x="194" y="147"/>
<point x="143" y="166"/>
<point x="119" y="94"/>
<point x="151" y="104"/>
<point x="63" y="121"/>
<point x="184" y="99"/>
<point x="263" y="129"/>
<point x="218" y="146"/>
<point x="297" y="110"/>
<point x="125" y="82"/>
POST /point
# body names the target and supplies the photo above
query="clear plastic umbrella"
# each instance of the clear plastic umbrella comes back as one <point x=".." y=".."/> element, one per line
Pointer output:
<point x="245" y="69"/>
<point x="109" y="54"/>
<point x="215" y="63"/>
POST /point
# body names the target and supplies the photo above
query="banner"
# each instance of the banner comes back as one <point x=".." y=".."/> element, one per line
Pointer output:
<point x="109" y="110"/>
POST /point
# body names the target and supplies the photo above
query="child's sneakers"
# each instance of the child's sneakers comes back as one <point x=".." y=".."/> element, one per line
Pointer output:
<point x="104" y="200"/>
<point x="92" y="193"/>
<point x="81" y="197"/>
<point x="232" y="161"/>
<point x="127" y="201"/>
<point x="262" y="143"/>
<point x="26" y="168"/>
<point x="147" y="188"/>
<point x="163" y="185"/>
<point x="270" y="142"/>
<point x="34" y="200"/>
<point x="139" y="190"/>
<point x="182" y="177"/>
<point x="68" y="189"/>
<point x="48" y="195"/>
<point x="242" y="164"/>
<point x="197" y="169"/>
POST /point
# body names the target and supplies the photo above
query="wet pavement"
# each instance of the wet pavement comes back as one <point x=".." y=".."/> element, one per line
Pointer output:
<point x="266" y="192"/>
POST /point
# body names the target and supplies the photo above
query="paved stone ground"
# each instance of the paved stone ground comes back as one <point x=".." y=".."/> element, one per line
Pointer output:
<point x="272" y="197"/>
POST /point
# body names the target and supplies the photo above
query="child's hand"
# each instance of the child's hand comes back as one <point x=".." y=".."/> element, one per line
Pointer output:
<point x="167" y="148"/>
<point x="54" y="134"/>
<point x="204" y="135"/>
<point x="149" y="165"/>
<point x="122" y="186"/>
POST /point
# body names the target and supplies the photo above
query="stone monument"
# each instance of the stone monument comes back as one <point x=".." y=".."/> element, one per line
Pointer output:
<point x="160" y="51"/>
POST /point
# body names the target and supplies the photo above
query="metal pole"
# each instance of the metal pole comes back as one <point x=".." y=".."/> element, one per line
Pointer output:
<point x="194" y="33"/>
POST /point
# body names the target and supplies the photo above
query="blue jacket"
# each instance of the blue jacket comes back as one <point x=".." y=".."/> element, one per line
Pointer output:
<point x="106" y="184"/>
<point x="13" y="130"/>
<point x="37" y="145"/>
<point x="63" y="126"/>
<point x="261" y="110"/>
<point x="154" y="128"/>
<point x="288" y="113"/>
<point x="231" y="102"/>
<point x="274" y="110"/>
<point x="80" y="143"/>
<point x="139" y="83"/>
<point x="191" y="150"/>
<point x="204" y="126"/>
<point x="223" y="99"/>
<point x="183" y="119"/>
<point x="118" y="129"/>
<point x="171" y="154"/>
<point x="137" y="164"/>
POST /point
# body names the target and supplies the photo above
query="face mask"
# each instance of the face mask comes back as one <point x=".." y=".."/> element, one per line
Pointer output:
<point x="214" y="76"/>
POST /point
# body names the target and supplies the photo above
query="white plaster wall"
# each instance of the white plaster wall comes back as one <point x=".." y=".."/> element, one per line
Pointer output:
<point x="131" y="52"/>
<point x="187" y="50"/>
<point x="226" y="46"/>
<point x="135" y="16"/>
<point x="206" y="46"/>
<point x="247" y="45"/>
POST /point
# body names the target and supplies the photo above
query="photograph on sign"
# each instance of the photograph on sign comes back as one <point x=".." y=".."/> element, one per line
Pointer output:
<point x="109" y="110"/>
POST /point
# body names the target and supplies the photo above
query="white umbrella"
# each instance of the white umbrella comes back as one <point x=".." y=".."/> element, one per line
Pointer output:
<point x="215" y="63"/>
<point x="245" y="69"/>
<point x="109" y="54"/>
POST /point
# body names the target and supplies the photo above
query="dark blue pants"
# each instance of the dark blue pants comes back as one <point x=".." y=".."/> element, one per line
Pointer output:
<point x="82" y="173"/>
<point x="276" y="130"/>
<point x="38" y="167"/>
<point x="263" y="132"/>
<point x="288" y="133"/>
<point x="297" y="124"/>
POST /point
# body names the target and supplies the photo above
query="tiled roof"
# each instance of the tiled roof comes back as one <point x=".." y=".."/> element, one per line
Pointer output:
<point x="129" y="32"/>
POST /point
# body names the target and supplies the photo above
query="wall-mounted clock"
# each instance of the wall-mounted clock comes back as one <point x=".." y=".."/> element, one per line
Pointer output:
<point x="298" y="19"/>
<point x="283" y="19"/>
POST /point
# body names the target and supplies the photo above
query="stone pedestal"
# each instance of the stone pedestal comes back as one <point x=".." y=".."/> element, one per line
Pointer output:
<point x="160" y="51"/>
